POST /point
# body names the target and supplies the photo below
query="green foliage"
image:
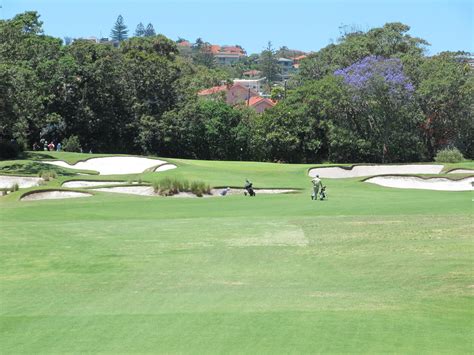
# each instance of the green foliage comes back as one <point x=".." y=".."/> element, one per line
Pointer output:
<point x="173" y="186"/>
<point x="140" y="30"/>
<point x="119" y="31"/>
<point x="449" y="155"/>
<point x="14" y="187"/>
<point x="47" y="175"/>
<point x="149" y="31"/>
<point x="141" y="98"/>
<point x="269" y="63"/>
<point x="71" y="144"/>
<point x="9" y="150"/>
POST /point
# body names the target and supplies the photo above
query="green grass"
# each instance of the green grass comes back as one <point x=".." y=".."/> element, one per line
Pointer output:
<point x="371" y="270"/>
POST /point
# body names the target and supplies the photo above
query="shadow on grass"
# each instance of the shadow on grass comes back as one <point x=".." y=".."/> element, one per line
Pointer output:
<point x="34" y="155"/>
<point x="33" y="168"/>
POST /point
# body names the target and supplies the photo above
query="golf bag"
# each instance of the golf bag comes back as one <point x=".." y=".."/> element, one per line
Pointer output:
<point x="322" y="194"/>
<point x="249" y="190"/>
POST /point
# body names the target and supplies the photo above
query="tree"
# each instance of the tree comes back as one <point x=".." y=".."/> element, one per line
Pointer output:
<point x="150" y="31"/>
<point x="391" y="40"/>
<point x="445" y="94"/>
<point x="269" y="63"/>
<point x="140" y="30"/>
<point x="384" y="110"/>
<point x="119" y="31"/>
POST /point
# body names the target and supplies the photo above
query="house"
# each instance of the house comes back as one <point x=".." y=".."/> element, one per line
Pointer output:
<point x="252" y="74"/>
<point x="254" y="84"/>
<point x="234" y="93"/>
<point x="226" y="55"/>
<point x="286" y="68"/>
<point x="297" y="60"/>
<point x="260" y="104"/>
<point x="238" y="94"/>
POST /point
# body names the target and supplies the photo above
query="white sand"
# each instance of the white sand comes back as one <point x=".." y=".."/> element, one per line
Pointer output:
<point x="165" y="167"/>
<point x="412" y="182"/>
<point x="257" y="191"/>
<point x="461" y="171"/>
<point x="132" y="190"/>
<point x="148" y="191"/>
<point x="85" y="183"/>
<point x="53" y="195"/>
<point x="112" y="165"/>
<point x="22" y="181"/>
<point x="368" y="170"/>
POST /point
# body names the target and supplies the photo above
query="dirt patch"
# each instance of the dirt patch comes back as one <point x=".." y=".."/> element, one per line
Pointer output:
<point x="294" y="237"/>
<point x="53" y="195"/>
<point x="7" y="181"/>
<point x="337" y="172"/>
<point x="413" y="182"/>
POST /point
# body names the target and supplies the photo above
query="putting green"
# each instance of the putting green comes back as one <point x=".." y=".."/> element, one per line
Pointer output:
<point x="370" y="270"/>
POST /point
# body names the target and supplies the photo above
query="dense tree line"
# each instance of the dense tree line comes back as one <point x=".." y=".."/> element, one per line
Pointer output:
<point x="373" y="96"/>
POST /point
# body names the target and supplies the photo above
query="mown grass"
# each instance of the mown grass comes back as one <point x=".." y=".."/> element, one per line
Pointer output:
<point x="370" y="270"/>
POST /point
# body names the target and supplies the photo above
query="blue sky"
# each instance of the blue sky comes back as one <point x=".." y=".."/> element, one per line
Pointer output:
<point x="300" y="24"/>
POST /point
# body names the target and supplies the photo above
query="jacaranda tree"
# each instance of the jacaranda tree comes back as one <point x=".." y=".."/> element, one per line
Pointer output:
<point x="384" y="107"/>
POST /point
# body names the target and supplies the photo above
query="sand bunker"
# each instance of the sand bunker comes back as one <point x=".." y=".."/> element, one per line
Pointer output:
<point x="53" y="195"/>
<point x="257" y="191"/>
<point x="412" y="182"/>
<point x="148" y="191"/>
<point x="112" y="165"/>
<point x="368" y="170"/>
<point x="86" y="183"/>
<point x="165" y="167"/>
<point x="22" y="181"/>
<point x="132" y="190"/>
<point x="461" y="171"/>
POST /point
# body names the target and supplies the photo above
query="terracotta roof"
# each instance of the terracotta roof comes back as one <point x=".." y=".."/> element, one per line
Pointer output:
<point x="300" y="57"/>
<point x="214" y="48"/>
<point x="213" y="90"/>
<point x="255" y="100"/>
<point x="184" y="44"/>
<point x="232" y="49"/>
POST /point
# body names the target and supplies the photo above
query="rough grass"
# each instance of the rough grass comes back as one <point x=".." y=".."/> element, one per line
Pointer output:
<point x="371" y="270"/>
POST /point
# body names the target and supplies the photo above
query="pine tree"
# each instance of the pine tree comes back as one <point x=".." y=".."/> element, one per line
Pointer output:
<point x="119" y="31"/>
<point x="140" y="30"/>
<point x="150" y="31"/>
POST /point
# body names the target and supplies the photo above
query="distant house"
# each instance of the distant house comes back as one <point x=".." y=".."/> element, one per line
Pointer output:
<point x="252" y="74"/>
<point x="254" y="84"/>
<point x="226" y="55"/>
<point x="260" y="104"/>
<point x="286" y="68"/>
<point x="234" y="94"/>
<point x="238" y="94"/>
<point x="297" y="60"/>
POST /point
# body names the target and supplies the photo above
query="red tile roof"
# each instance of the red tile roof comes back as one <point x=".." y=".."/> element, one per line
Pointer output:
<point x="258" y="99"/>
<point x="213" y="90"/>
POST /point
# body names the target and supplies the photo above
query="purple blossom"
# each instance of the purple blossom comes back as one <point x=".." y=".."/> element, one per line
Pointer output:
<point x="365" y="73"/>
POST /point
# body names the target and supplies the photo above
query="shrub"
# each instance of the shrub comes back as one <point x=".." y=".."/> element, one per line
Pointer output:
<point x="47" y="175"/>
<point x="170" y="187"/>
<point x="449" y="155"/>
<point x="14" y="187"/>
<point x="9" y="150"/>
<point x="72" y="144"/>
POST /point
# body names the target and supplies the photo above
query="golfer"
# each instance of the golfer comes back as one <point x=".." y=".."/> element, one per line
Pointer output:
<point x="316" y="185"/>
